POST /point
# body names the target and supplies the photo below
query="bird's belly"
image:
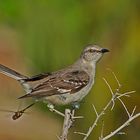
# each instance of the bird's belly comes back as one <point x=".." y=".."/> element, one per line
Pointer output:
<point x="68" y="98"/>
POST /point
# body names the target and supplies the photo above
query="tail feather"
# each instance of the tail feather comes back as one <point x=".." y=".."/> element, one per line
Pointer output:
<point x="11" y="73"/>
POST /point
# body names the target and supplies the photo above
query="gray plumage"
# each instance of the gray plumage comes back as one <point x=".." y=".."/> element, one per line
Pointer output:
<point x="65" y="86"/>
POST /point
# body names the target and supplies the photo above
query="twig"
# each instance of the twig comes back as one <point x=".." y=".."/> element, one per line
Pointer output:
<point x="99" y="115"/>
<point x="58" y="137"/>
<point x="121" y="133"/>
<point x="57" y="112"/>
<point x="125" y="107"/>
<point x="77" y="117"/>
<point x="127" y="94"/>
<point x="95" y="110"/>
<point x="118" y="82"/>
<point x="113" y="95"/>
<point x="102" y="132"/>
<point x="133" y="111"/>
<point x="80" y="133"/>
<point x="108" y="86"/>
<point x="52" y="109"/>
<point x="121" y="127"/>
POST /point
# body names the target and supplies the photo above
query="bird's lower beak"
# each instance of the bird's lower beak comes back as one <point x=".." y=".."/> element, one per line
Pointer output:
<point x="104" y="50"/>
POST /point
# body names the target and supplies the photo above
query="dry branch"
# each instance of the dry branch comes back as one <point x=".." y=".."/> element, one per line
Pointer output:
<point x="68" y="120"/>
<point x="121" y="127"/>
<point x="115" y="95"/>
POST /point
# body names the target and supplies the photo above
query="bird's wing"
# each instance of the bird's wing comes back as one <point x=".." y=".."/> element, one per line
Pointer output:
<point x="62" y="83"/>
<point x="37" y="77"/>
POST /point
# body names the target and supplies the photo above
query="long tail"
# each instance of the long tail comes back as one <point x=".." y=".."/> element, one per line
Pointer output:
<point x="11" y="73"/>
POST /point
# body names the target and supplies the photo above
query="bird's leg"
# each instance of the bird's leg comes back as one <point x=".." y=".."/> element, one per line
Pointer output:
<point x="75" y="105"/>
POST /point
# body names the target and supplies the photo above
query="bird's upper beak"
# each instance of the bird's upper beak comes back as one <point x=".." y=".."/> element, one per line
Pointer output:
<point x="104" y="50"/>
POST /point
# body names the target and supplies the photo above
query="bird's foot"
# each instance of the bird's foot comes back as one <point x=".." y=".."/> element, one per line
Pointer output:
<point x="75" y="106"/>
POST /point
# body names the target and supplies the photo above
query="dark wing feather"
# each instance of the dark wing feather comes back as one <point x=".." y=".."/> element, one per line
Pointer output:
<point x="37" y="77"/>
<point x="62" y="83"/>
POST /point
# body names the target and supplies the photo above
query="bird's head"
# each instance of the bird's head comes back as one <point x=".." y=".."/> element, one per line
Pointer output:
<point x="93" y="53"/>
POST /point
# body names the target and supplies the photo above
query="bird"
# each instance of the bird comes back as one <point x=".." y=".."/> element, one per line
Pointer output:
<point x="65" y="86"/>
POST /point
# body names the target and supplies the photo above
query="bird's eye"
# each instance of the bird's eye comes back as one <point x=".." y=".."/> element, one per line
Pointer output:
<point x="91" y="50"/>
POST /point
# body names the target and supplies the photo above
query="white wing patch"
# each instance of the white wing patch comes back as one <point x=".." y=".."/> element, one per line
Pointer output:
<point x="64" y="90"/>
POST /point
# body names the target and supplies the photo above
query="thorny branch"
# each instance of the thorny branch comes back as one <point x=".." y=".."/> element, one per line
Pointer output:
<point x="116" y="95"/>
<point x="121" y="127"/>
<point x="69" y="118"/>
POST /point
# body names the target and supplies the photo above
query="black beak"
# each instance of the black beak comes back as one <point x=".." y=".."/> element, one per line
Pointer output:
<point x="104" y="50"/>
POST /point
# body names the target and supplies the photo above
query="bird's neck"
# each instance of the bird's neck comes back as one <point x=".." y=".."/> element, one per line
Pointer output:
<point x="86" y="66"/>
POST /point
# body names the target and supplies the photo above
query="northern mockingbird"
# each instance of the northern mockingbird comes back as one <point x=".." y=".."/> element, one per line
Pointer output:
<point x="66" y="86"/>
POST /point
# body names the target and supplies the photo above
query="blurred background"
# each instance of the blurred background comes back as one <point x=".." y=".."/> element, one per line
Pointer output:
<point x="46" y="35"/>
